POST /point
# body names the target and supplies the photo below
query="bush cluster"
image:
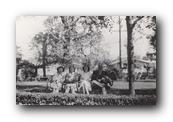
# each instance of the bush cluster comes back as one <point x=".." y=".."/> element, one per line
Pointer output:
<point x="80" y="99"/>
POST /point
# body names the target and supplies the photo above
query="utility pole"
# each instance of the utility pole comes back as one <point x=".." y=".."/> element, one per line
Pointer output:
<point x="119" y="21"/>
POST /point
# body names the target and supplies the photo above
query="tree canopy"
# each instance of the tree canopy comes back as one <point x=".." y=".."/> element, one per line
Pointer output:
<point x="69" y="39"/>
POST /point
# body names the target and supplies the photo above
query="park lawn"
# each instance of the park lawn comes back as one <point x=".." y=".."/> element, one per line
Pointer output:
<point x="31" y="83"/>
<point x="121" y="85"/>
<point x="38" y="93"/>
<point x="138" y="85"/>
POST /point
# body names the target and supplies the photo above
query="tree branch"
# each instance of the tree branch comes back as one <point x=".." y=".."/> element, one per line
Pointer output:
<point x="52" y="34"/>
<point x="138" y="18"/>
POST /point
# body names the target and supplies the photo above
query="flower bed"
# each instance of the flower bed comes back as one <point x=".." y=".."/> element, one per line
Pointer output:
<point x="81" y="99"/>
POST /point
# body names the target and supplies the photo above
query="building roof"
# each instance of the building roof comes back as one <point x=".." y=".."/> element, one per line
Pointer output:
<point x="139" y="60"/>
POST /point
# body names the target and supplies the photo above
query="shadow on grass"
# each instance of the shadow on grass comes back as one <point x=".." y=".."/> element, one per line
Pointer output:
<point x="137" y="91"/>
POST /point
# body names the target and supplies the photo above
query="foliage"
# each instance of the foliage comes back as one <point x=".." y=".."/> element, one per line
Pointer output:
<point x="69" y="99"/>
<point x="69" y="39"/>
<point x="81" y="35"/>
<point x="153" y="38"/>
<point x="137" y="27"/>
<point x="144" y="27"/>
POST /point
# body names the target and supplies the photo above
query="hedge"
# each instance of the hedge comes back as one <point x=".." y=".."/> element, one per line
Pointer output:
<point x="82" y="99"/>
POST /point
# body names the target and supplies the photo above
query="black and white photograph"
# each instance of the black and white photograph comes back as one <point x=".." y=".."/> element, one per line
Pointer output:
<point x="86" y="60"/>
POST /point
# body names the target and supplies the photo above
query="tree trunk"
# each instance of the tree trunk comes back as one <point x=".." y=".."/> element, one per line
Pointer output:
<point x="36" y="72"/>
<point x="120" y="64"/>
<point x="44" y="58"/>
<point x="130" y="53"/>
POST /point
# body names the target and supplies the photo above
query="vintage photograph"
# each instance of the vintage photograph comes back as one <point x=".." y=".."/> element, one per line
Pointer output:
<point x="86" y="60"/>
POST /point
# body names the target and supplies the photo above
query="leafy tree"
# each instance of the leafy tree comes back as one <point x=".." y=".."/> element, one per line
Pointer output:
<point x="66" y="39"/>
<point x="41" y="39"/>
<point x="136" y="25"/>
<point x="18" y="58"/>
<point x="153" y="38"/>
<point x="130" y="50"/>
<point x="78" y="34"/>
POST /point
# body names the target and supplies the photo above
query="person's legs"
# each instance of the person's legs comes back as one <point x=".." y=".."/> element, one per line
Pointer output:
<point x="67" y="88"/>
<point x="87" y="90"/>
<point x="104" y="91"/>
<point x="58" y="89"/>
<point x="83" y="87"/>
<point x="87" y="87"/>
<point x="54" y="87"/>
<point x="73" y="88"/>
<point x="59" y="86"/>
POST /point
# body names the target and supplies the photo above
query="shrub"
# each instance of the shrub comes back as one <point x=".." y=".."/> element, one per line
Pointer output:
<point x="81" y="99"/>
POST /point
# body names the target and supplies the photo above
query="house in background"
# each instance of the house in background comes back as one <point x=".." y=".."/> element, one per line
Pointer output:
<point x="147" y="67"/>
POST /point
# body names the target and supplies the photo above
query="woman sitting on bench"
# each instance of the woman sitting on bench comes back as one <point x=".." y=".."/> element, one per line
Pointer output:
<point x="86" y="79"/>
<point x="71" y="81"/>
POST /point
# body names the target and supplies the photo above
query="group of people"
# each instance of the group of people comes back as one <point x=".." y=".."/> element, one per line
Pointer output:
<point x="74" y="81"/>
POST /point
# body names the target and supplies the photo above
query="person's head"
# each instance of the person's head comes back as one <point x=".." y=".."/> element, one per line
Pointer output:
<point x="86" y="68"/>
<point x="60" y="69"/>
<point x="71" y="69"/>
<point x="104" y="67"/>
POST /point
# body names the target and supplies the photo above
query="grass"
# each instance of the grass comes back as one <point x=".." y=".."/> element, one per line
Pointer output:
<point x="38" y="93"/>
<point x="118" y="88"/>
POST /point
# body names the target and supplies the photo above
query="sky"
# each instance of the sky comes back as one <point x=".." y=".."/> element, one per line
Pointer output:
<point x="28" y="26"/>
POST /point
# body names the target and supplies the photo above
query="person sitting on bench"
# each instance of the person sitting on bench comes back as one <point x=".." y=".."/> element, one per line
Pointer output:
<point x="58" y="79"/>
<point x="71" y="81"/>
